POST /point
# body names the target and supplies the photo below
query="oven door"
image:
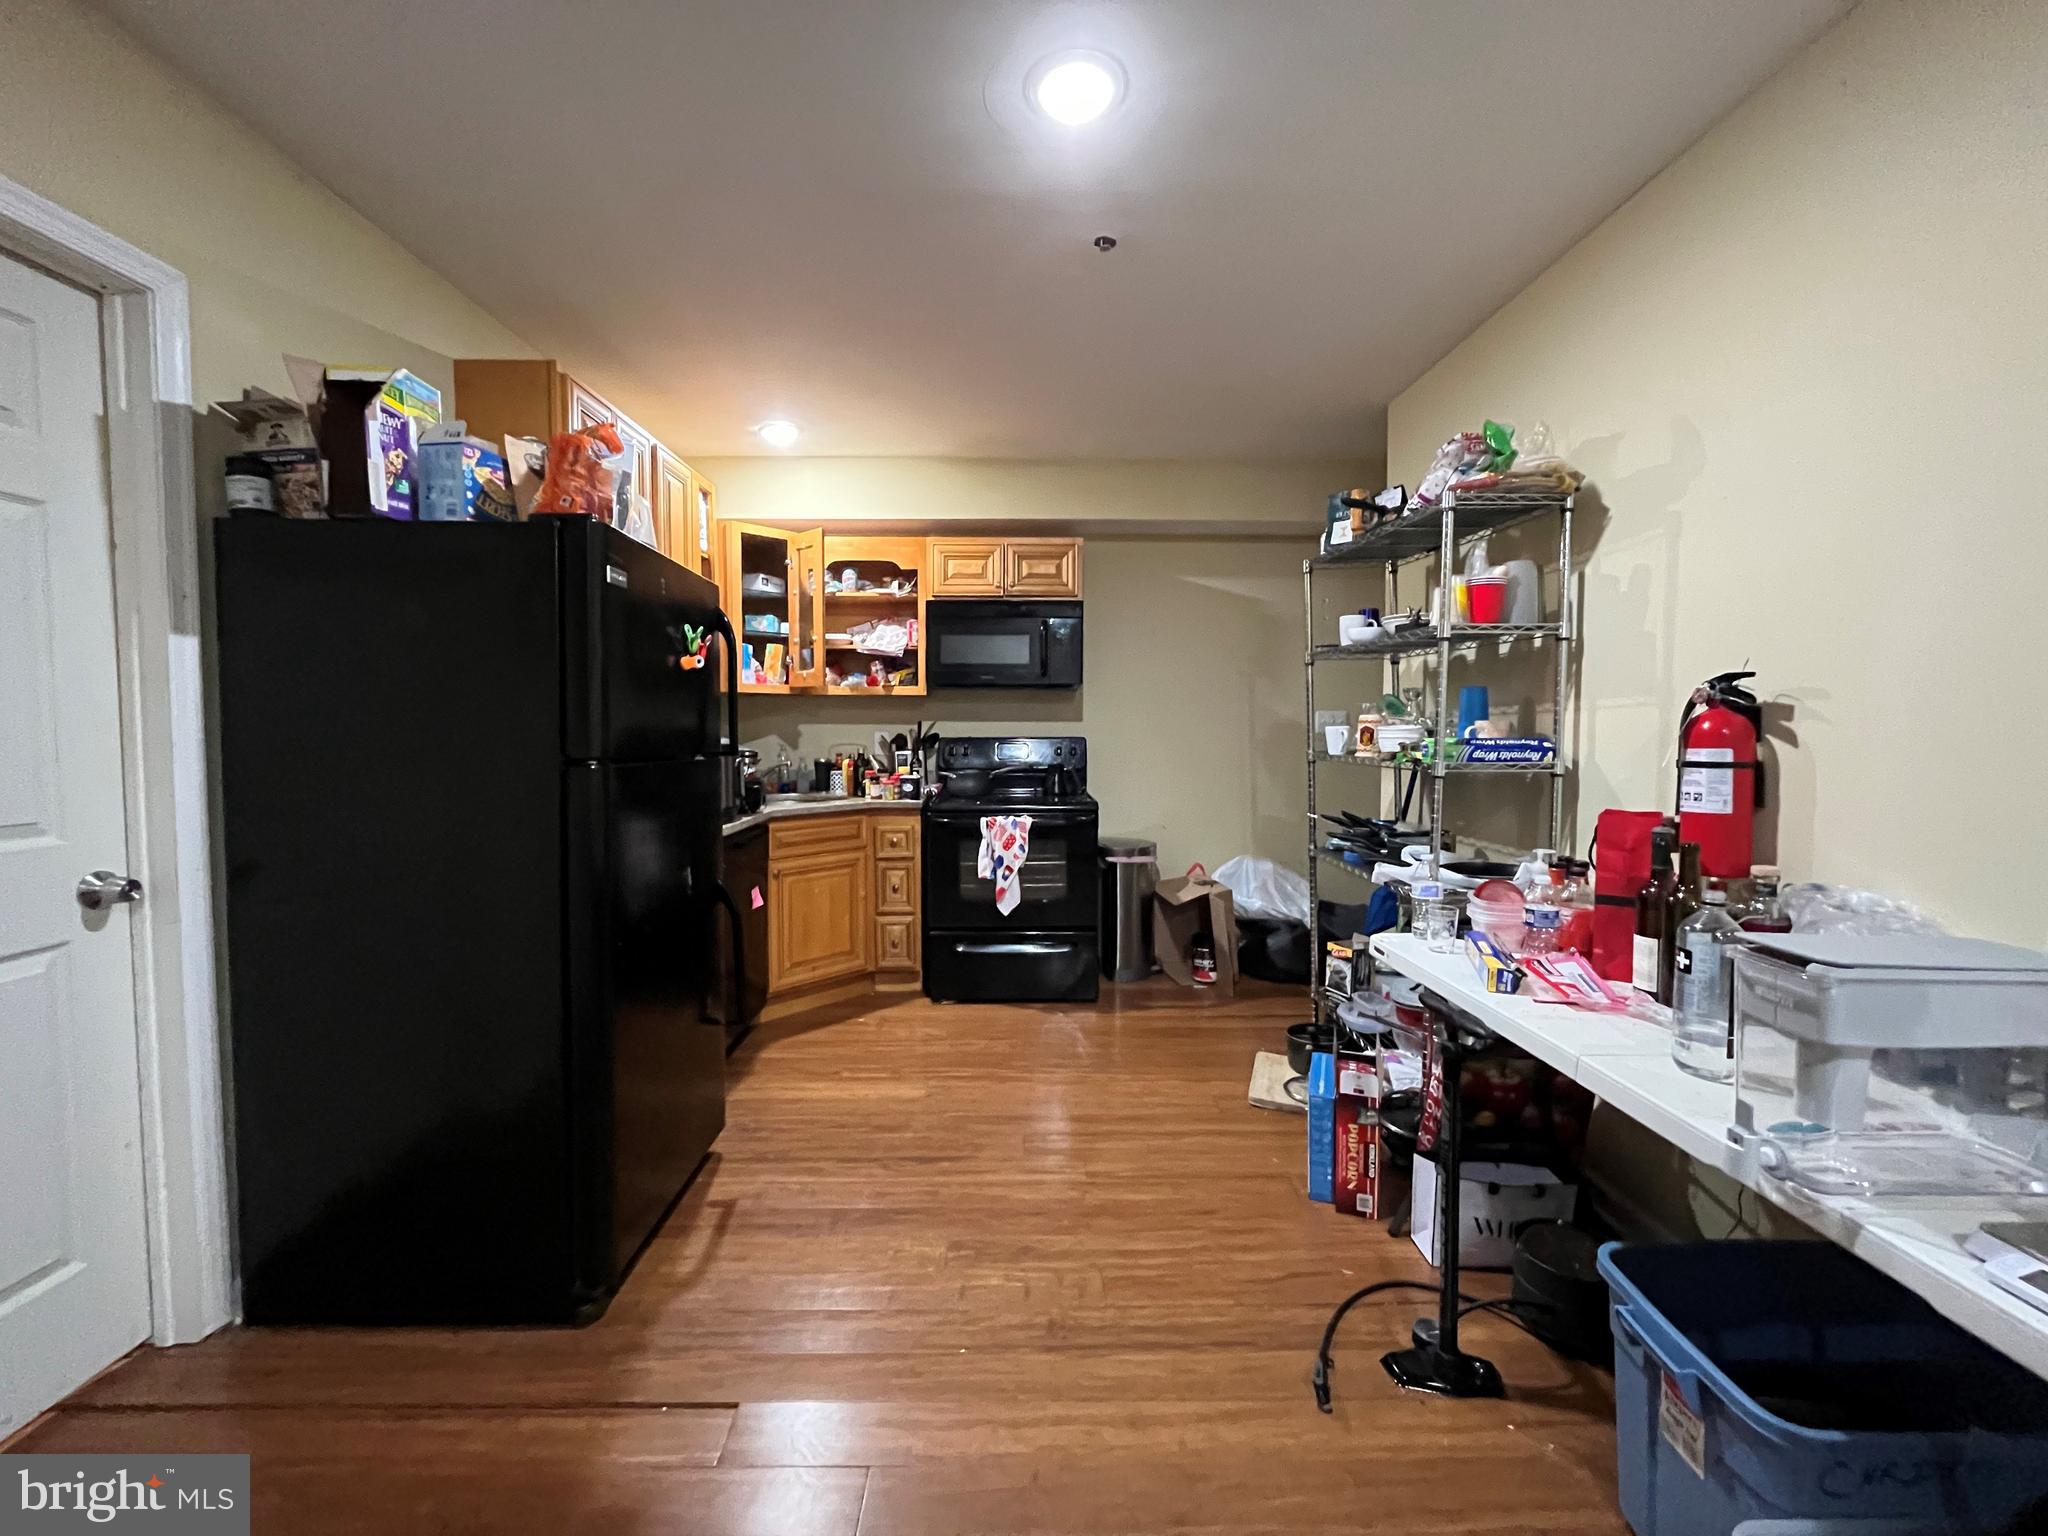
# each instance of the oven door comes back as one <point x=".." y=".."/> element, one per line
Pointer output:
<point x="1004" y="644"/>
<point x="1058" y="880"/>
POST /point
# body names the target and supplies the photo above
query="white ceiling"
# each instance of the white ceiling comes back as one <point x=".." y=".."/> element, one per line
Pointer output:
<point x="841" y="211"/>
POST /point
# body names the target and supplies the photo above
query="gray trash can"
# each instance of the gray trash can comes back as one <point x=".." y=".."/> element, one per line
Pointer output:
<point x="1130" y="871"/>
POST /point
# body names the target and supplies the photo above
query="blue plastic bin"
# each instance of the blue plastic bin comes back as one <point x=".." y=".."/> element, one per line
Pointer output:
<point x="1792" y="1382"/>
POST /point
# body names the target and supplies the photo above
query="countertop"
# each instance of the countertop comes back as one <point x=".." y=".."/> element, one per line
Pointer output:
<point x="1918" y="1242"/>
<point x="834" y="806"/>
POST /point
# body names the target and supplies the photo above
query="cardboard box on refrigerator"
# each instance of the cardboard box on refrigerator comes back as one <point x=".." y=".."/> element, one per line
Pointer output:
<point x="368" y="422"/>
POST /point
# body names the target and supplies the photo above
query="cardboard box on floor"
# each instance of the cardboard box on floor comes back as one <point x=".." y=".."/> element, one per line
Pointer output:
<point x="1184" y="907"/>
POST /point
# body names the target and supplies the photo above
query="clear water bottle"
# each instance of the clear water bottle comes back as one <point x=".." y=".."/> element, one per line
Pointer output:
<point x="1703" y="989"/>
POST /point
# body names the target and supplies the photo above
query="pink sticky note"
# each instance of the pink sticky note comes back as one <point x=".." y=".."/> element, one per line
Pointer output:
<point x="755" y="899"/>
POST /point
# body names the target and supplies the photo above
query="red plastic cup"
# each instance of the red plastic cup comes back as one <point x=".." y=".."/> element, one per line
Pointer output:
<point x="1488" y="596"/>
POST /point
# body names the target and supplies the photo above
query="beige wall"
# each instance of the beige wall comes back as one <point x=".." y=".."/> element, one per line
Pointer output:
<point x="1210" y="495"/>
<point x="1805" y="368"/>
<point x="276" y="263"/>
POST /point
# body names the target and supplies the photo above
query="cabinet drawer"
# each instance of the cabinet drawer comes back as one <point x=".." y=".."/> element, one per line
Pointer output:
<point x="895" y="888"/>
<point x="803" y="835"/>
<point x="896" y="944"/>
<point x="895" y="837"/>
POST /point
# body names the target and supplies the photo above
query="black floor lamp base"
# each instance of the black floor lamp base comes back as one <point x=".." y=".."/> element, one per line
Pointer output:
<point x="1426" y="1368"/>
<point x="1429" y="1367"/>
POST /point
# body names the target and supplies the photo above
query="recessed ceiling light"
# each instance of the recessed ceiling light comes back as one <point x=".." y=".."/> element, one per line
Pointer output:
<point x="778" y="434"/>
<point x="1076" y="87"/>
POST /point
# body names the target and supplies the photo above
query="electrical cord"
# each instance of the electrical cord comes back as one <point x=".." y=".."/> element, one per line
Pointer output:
<point x="1320" y="1377"/>
<point x="1507" y="1307"/>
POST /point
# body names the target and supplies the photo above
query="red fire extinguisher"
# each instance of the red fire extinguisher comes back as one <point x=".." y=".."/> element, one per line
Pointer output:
<point x="1720" y="777"/>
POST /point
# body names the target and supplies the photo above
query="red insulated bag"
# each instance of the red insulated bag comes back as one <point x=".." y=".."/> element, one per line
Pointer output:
<point x="1621" y="868"/>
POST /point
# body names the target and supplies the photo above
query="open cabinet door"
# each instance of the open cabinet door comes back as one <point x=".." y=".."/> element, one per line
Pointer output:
<point x="757" y="573"/>
<point x="807" y="611"/>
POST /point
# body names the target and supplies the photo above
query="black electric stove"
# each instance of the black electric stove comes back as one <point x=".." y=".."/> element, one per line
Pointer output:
<point x="1047" y="949"/>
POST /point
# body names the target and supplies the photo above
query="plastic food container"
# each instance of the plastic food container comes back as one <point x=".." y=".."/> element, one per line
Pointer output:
<point x="1791" y="1382"/>
<point x="1503" y="922"/>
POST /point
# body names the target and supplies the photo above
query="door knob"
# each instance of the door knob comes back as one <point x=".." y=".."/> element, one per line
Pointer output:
<point x="103" y="889"/>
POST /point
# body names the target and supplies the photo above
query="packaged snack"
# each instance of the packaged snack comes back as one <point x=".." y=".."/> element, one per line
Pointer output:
<point x="582" y="473"/>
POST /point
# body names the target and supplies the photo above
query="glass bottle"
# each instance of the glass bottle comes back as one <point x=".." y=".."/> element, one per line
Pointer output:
<point x="1683" y="902"/>
<point x="1703" y="988"/>
<point x="1761" y="911"/>
<point x="1651" y="905"/>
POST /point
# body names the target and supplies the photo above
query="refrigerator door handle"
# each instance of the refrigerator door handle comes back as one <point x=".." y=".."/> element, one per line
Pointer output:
<point x="735" y="1003"/>
<point x="731" y="647"/>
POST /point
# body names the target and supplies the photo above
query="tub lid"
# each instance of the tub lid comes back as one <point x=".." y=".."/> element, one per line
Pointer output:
<point x="1906" y="952"/>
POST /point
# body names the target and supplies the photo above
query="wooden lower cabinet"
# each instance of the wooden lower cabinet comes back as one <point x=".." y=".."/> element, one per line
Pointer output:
<point x="818" y="918"/>
<point x="842" y="904"/>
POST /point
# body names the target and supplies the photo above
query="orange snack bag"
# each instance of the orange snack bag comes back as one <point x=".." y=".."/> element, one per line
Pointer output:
<point x="580" y="479"/>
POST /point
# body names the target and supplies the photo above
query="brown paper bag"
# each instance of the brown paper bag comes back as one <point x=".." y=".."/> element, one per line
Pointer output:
<point x="1185" y="907"/>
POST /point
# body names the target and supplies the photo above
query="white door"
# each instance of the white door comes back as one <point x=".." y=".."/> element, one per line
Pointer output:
<point x="74" y="1275"/>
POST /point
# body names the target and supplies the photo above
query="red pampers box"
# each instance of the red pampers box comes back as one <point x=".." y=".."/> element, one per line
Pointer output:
<point x="1355" y="1166"/>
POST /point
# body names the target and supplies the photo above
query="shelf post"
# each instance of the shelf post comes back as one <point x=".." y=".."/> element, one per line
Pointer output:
<point x="1446" y="616"/>
<point x="1308" y="725"/>
<point x="1567" y="630"/>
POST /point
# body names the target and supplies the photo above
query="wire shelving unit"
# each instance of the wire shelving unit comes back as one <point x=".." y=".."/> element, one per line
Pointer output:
<point x="1440" y="531"/>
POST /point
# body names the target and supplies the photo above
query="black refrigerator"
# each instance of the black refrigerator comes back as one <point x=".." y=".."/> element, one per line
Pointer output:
<point x="469" y="790"/>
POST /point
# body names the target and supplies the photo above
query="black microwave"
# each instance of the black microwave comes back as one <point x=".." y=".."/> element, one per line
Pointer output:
<point x="994" y="643"/>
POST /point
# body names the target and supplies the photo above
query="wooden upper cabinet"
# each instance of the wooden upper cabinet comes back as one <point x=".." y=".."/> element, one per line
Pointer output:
<point x="966" y="567"/>
<point x="675" y="509"/>
<point x="581" y="408"/>
<point x="502" y="397"/>
<point x="509" y="397"/>
<point x="806" y="609"/>
<point x="988" y="567"/>
<point x="1042" y="568"/>
<point x="705" y="494"/>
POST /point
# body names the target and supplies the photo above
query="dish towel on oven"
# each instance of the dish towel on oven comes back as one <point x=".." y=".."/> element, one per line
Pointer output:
<point x="1005" y="843"/>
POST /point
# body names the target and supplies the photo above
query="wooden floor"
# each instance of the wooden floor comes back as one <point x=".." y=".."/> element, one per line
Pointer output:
<point x="961" y="1269"/>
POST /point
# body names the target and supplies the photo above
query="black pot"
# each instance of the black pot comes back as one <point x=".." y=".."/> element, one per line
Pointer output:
<point x="1304" y="1038"/>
